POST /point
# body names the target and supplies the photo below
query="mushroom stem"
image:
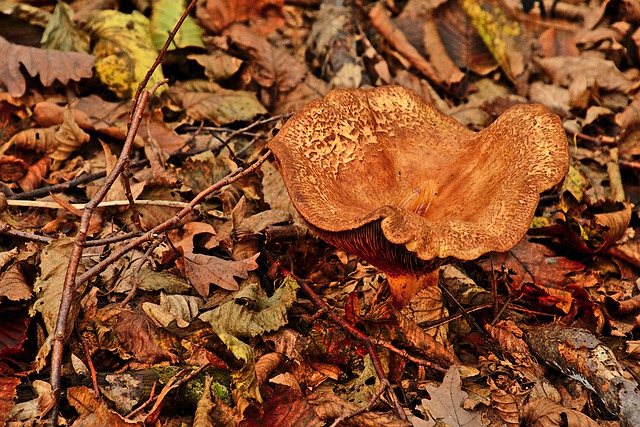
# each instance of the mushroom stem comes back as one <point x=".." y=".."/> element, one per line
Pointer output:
<point x="403" y="287"/>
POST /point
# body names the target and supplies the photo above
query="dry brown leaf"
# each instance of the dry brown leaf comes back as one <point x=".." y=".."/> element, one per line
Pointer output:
<point x="266" y="365"/>
<point x="543" y="412"/>
<point x="534" y="263"/>
<point x="383" y="24"/>
<point x="591" y="233"/>
<point x="69" y="137"/>
<point x="420" y="27"/>
<point x="216" y="15"/>
<point x="203" y="270"/>
<point x="595" y="72"/>
<point x="8" y="386"/>
<point x="506" y="405"/>
<point x="290" y="81"/>
<point x="446" y="400"/>
<point x="558" y="42"/>
<point x="13" y="285"/>
<point x="35" y="174"/>
<point x="462" y="41"/>
<point x="40" y="140"/>
<point x="94" y="411"/>
<point x="329" y="406"/>
<point x="12" y="168"/>
<point x="51" y="65"/>
<point x="138" y="335"/>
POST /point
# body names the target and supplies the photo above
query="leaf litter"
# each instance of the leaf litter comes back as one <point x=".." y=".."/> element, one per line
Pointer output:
<point x="543" y="322"/>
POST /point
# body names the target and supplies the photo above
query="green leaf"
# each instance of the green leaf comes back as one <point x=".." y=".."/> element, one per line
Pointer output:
<point x="245" y="380"/>
<point x="251" y="313"/>
<point x="61" y="32"/>
<point x="124" y="50"/>
<point x="164" y="16"/>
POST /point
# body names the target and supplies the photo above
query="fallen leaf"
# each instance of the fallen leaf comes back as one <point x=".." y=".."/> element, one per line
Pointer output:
<point x="216" y="15"/>
<point x="138" y="335"/>
<point x="54" y="261"/>
<point x="503" y="36"/>
<point x="13" y="285"/>
<point x="543" y="412"/>
<point x="203" y="270"/>
<point x="61" y="32"/>
<point x="164" y="15"/>
<point x="445" y="405"/>
<point x="123" y="49"/>
<point x="50" y="65"/>
<point x="534" y="263"/>
<point x="565" y="70"/>
<point x="252" y="313"/>
<point x="222" y="106"/>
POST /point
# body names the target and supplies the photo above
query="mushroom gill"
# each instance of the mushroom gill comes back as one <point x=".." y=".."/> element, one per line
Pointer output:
<point x="384" y="175"/>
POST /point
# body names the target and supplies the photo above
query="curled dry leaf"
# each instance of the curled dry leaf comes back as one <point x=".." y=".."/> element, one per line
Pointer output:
<point x="35" y="174"/>
<point x="139" y="336"/>
<point x="591" y="233"/>
<point x="40" y="140"/>
<point x="507" y="406"/>
<point x="13" y="285"/>
<point x="69" y="137"/>
<point x="216" y="15"/>
<point x="50" y="65"/>
<point x="543" y="412"/>
<point x="252" y="313"/>
<point x="12" y="168"/>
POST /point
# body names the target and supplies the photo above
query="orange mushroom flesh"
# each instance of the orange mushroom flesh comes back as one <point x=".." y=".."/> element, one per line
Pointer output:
<point x="382" y="174"/>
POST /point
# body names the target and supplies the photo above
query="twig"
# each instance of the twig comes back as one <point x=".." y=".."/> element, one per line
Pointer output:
<point x="136" y="273"/>
<point x="92" y="369"/>
<point x="8" y="231"/>
<point x="57" y="188"/>
<point x="113" y="239"/>
<point x="108" y="204"/>
<point x="69" y="286"/>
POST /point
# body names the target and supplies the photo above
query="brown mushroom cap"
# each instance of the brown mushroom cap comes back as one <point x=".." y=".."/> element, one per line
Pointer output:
<point x="385" y="175"/>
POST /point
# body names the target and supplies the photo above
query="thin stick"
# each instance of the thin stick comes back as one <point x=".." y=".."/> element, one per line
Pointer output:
<point x="58" y="188"/>
<point x="108" y="204"/>
<point x="8" y="231"/>
<point x="69" y="287"/>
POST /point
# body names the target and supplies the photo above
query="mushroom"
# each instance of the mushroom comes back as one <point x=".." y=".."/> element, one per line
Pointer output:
<point x="382" y="174"/>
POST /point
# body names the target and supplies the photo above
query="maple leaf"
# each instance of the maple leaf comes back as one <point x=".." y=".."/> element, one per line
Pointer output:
<point x="50" y="64"/>
<point x="203" y="270"/>
<point x="446" y="403"/>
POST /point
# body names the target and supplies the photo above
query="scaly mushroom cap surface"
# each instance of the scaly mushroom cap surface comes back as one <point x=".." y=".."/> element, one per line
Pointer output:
<point x="383" y="174"/>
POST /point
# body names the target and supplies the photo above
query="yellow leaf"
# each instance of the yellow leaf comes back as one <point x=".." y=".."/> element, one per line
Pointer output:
<point x="124" y="50"/>
<point x="501" y="34"/>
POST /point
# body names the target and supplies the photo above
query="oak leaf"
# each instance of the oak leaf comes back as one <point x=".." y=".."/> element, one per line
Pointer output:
<point x="49" y="64"/>
<point x="203" y="270"/>
<point x="446" y="402"/>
